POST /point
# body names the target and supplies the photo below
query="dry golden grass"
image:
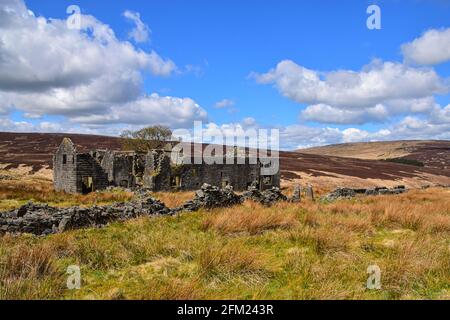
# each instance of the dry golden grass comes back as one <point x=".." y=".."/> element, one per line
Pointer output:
<point x="174" y="199"/>
<point x="29" y="271"/>
<point x="177" y="289"/>
<point x="310" y="250"/>
<point x="229" y="259"/>
<point x="14" y="193"/>
<point x="27" y="261"/>
<point x="252" y="218"/>
<point x="418" y="210"/>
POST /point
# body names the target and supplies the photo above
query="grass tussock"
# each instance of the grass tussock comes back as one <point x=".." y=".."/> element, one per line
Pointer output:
<point x="29" y="271"/>
<point x="251" y="218"/>
<point x="229" y="260"/>
<point x="310" y="250"/>
<point x="174" y="199"/>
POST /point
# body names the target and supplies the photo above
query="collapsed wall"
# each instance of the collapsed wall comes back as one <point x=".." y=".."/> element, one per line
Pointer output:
<point x="347" y="193"/>
<point x="42" y="219"/>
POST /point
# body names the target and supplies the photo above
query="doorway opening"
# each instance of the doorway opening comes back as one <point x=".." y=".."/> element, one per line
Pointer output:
<point x="175" y="182"/>
<point x="87" y="185"/>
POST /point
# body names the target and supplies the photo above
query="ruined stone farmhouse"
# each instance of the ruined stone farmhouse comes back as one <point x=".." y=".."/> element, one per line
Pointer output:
<point x="84" y="172"/>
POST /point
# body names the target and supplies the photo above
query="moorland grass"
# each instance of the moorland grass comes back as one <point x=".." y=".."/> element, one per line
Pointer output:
<point x="310" y="250"/>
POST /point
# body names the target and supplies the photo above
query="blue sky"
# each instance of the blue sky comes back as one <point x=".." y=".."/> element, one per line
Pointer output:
<point x="222" y="48"/>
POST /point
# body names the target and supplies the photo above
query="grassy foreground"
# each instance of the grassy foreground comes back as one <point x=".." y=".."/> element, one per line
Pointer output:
<point x="290" y="251"/>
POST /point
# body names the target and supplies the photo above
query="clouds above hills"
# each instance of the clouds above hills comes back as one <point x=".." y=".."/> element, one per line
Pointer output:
<point x="375" y="93"/>
<point x="380" y="93"/>
<point x="89" y="80"/>
<point x="51" y="69"/>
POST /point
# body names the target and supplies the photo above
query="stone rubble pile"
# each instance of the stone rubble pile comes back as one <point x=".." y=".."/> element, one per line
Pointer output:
<point x="210" y="197"/>
<point x="266" y="197"/>
<point x="384" y="190"/>
<point x="339" y="193"/>
<point x="347" y="193"/>
<point x="43" y="220"/>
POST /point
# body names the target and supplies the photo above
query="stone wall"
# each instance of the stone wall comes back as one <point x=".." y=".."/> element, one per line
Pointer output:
<point x="161" y="175"/>
<point x="65" y="167"/>
<point x="238" y="176"/>
<point x="157" y="171"/>
<point x="348" y="193"/>
<point x="99" y="169"/>
<point x="107" y="163"/>
<point x="42" y="219"/>
<point x="123" y="171"/>
<point x="88" y="168"/>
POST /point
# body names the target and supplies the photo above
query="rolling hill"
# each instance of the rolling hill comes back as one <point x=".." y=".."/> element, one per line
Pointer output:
<point x="32" y="153"/>
<point x="432" y="154"/>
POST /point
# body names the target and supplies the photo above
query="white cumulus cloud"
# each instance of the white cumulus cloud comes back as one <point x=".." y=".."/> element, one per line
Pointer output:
<point x="433" y="47"/>
<point x="48" y="68"/>
<point x="149" y="110"/>
<point x="376" y="83"/>
<point x="327" y="114"/>
<point x="373" y="94"/>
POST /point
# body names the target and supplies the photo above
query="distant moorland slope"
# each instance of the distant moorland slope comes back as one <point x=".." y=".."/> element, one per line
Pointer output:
<point x="34" y="151"/>
<point x="432" y="154"/>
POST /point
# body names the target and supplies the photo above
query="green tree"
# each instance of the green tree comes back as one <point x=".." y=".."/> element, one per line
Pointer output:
<point x="146" y="139"/>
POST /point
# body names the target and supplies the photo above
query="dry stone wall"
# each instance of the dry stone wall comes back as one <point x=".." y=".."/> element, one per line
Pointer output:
<point x="41" y="219"/>
<point x="347" y="193"/>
